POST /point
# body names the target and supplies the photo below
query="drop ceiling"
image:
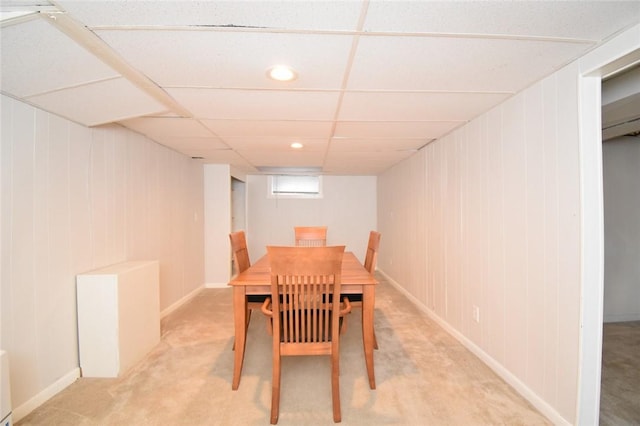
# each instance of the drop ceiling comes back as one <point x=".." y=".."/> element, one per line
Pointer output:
<point x="377" y="80"/>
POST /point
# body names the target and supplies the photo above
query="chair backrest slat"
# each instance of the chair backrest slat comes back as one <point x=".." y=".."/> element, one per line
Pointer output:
<point x="240" y="251"/>
<point x="305" y="283"/>
<point x="371" y="258"/>
<point x="310" y="236"/>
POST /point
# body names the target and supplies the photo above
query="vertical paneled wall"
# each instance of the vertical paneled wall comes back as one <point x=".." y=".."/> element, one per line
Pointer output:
<point x="217" y="208"/>
<point x="488" y="217"/>
<point x="347" y="208"/>
<point x="75" y="199"/>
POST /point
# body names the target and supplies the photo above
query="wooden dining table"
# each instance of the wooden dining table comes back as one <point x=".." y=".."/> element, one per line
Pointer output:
<point x="257" y="280"/>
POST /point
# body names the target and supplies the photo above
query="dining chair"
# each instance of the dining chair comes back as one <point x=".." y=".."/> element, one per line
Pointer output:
<point x="310" y="236"/>
<point x="242" y="263"/>
<point x="370" y="261"/>
<point x="305" y="310"/>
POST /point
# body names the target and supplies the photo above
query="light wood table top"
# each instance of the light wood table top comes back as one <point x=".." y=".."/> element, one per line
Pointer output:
<point x="257" y="280"/>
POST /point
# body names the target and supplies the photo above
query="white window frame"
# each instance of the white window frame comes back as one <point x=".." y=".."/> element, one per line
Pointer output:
<point x="272" y="179"/>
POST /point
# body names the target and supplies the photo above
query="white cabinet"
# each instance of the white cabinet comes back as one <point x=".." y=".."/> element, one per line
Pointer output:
<point x="118" y="317"/>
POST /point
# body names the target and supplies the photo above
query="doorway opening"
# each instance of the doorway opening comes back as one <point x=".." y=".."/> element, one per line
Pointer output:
<point x="592" y="228"/>
<point x="238" y="211"/>
<point x="620" y="377"/>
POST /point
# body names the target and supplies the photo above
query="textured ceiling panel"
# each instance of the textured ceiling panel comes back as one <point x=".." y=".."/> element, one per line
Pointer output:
<point x="277" y="144"/>
<point x="354" y="163"/>
<point x="37" y="58"/>
<point x="563" y="19"/>
<point x="98" y="103"/>
<point x="257" y="105"/>
<point x="233" y="59"/>
<point x="287" y="159"/>
<point x="456" y="64"/>
<point x="400" y="106"/>
<point x="186" y="143"/>
<point x="394" y="129"/>
<point x="376" y="144"/>
<point x="272" y="14"/>
<point x="220" y="156"/>
<point x="248" y="128"/>
<point x="376" y="79"/>
<point x="169" y="127"/>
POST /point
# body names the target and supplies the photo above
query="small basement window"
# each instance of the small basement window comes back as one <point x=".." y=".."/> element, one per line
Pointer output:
<point x="295" y="186"/>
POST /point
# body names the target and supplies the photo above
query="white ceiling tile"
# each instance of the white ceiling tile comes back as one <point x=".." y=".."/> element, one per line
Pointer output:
<point x="592" y="20"/>
<point x="455" y="64"/>
<point x="168" y="127"/>
<point x="99" y="103"/>
<point x="362" y="164"/>
<point x="394" y="129"/>
<point x="37" y="58"/>
<point x="233" y="59"/>
<point x="186" y="143"/>
<point x="368" y="155"/>
<point x="277" y="144"/>
<point x="392" y="106"/>
<point x="220" y="156"/>
<point x="248" y="129"/>
<point x="375" y="144"/>
<point x="257" y="104"/>
<point x="272" y="14"/>
<point x="420" y="69"/>
<point x="268" y="158"/>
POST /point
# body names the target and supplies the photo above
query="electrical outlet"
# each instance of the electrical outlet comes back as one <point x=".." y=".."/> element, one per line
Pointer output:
<point x="476" y="313"/>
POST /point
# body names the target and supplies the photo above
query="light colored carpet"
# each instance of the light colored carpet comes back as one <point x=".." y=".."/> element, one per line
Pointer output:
<point x="620" y="390"/>
<point x="423" y="376"/>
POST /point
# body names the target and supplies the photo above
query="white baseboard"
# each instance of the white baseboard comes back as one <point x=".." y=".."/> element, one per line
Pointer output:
<point x="166" y="311"/>
<point x="42" y="397"/>
<point x="26" y="408"/>
<point x="216" y="285"/>
<point x="498" y="368"/>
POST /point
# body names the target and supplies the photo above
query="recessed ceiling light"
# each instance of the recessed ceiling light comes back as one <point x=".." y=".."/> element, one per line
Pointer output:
<point x="282" y="73"/>
<point x="296" y="145"/>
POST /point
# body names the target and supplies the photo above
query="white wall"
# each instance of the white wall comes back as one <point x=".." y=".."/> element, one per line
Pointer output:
<point x="621" y="170"/>
<point x="496" y="215"/>
<point x="498" y="198"/>
<point x="217" y="187"/>
<point x="75" y="199"/>
<point x="348" y="208"/>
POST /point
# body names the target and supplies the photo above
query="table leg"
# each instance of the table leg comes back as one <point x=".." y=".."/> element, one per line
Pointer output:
<point x="240" y="326"/>
<point x="368" y="304"/>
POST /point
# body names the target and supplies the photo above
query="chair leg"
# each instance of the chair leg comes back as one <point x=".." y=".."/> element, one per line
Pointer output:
<point x="335" y="386"/>
<point x="246" y="327"/>
<point x="269" y="324"/>
<point x="343" y="326"/>
<point x="343" y="329"/>
<point x="248" y="317"/>
<point x="275" y="391"/>
<point x="375" y="339"/>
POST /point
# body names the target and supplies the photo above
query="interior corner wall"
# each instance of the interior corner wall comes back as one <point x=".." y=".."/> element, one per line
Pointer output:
<point x="347" y="208"/>
<point x="504" y="231"/>
<point x="500" y="198"/>
<point x="621" y="171"/>
<point x="75" y="199"/>
<point x="217" y="201"/>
